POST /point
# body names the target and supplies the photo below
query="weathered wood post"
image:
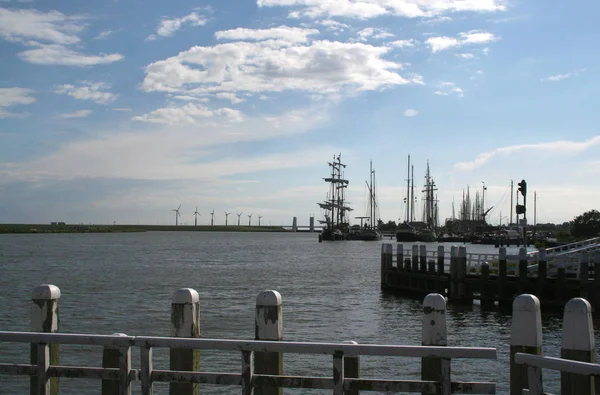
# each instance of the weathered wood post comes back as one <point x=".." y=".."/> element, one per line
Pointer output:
<point x="504" y="293"/>
<point x="185" y="322"/>
<point x="542" y="265"/>
<point x="461" y="265"/>
<point x="597" y="270"/>
<point x="415" y="258"/>
<point x="352" y="369"/>
<point x="578" y="344"/>
<point x="584" y="275"/>
<point x="525" y="337"/>
<point x="400" y="257"/>
<point x="440" y="260"/>
<point x="434" y="334"/>
<point x="116" y="357"/>
<point x="560" y="284"/>
<point x="44" y="318"/>
<point x="423" y="258"/>
<point x="522" y="269"/>
<point x="383" y="265"/>
<point x="487" y="294"/>
<point x="269" y="326"/>
<point x="453" y="291"/>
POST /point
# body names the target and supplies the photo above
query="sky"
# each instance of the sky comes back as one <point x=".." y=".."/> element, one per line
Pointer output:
<point x="121" y="111"/>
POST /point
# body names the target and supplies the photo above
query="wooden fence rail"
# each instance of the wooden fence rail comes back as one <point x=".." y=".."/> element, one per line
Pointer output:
<point x="261" y="360"/>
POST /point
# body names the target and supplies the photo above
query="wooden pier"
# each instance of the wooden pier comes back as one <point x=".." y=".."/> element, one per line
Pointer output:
<point x="493" y="279"/>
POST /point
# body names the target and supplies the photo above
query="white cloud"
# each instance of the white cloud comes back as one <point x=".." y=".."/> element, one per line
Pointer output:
<point x="285" y="33"/>
<point x="410" y="112"/>
<point x="365" y="9"/>
<point x="191" y="98"/>
<point x="95" y="91"/>
<point x="403" y="43"/>
<point x="171" y="152"/>
<point x="333" y="25"/>
<point x="443" y="43"/>
<point x="104" y="34"/>
<point x="229" y="96"/>
<point x="565" y="76"/>
<point x="189" y="113"/>
<point x="75" y="114"/>
<point x="466" y="55"/>
<point x="53" y="26"/>
<point x="54" y="54"/>
<point x="13" y="97"/>
<point x="325" y="67"/>
<point x="449" y="88"/>
<point x="169" y="26"/>
<point x="552" y="146"/>
<point x="373" y="32"/>
<point x="50" y="34"/>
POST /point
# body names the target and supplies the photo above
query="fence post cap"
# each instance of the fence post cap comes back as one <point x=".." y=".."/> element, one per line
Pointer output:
<point x="388" y="248"/>
<point x="462" y="252"/>
<point x="440" y="248"/>
<point x="578" y="332"/>
<point x="45" y="292"/>
<point x="542" y="254"/>
<point x="526" y="328"/>
<point x="434" y="302"/>
<point x="185" y="296"/>
<point x="268" y="298"/>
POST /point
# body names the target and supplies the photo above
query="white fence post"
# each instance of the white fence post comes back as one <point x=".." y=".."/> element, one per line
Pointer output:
<point x="525" y="337"/>
<point x="44" y="318"/>
<point x="434" y="333"/>
<point x="185" y="322"/>
<point x="578" y="344"/>
<point x="269" y="326"/>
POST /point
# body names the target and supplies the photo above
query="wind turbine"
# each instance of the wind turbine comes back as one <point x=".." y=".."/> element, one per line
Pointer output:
<point x="249" y="219"/>
<point x="226" y="216"/>
<point x="212" y="217"/>
<point x="259" y="217"/>
<point x="239" y="215"/>
<point x="177" y="215"/>
<point x="196" y="214"/>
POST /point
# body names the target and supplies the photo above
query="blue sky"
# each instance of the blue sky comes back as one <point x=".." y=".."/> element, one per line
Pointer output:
<point x="121" y="111"/>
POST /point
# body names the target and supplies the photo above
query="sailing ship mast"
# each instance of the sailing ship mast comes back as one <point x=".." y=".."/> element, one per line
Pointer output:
<point x="334" y="206"/>
<point x="408" y="201"/>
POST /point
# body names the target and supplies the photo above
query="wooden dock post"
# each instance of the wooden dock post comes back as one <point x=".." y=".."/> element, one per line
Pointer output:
<point x="522" y="270"/>
<point x="423" y="258"/>
<point x="487" y="289"/>
<point x="116" y="357"/>
<point x="352" y="369"/>
<point x="185" y="322"/>
<point x="597" y="270"/>
<point x="383" y="265"/>
<point x="461" y="266"/>
<point x="584" y="275"/>
<point x="415" y="258"/>
<point x="560" y="284"/>
<point x="269" y="326"/>
<point x="434" y="333"/>
<point x="440" y="260"/>
<point x="453" y="291"/>
<point x="542" y="265"/>
<point x="400" y="257"/>
<point x="578" y="344"/>
<point x="504" y="292"/>
<point x="44" y="318"/>
<point x="525" y="337"/>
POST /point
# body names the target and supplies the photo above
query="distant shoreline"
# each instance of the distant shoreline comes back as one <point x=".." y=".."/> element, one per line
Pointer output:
<point x="68" y="228"/>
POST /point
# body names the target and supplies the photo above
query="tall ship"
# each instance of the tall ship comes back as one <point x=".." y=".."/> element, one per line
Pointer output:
<point x="412" y="230"/>
<point x="335" y="208"/>
<point x="371" y="231"/>
<point x="405" y="231"/>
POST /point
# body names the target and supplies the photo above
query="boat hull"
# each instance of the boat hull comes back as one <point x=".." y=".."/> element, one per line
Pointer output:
<point x="406" y="236"/>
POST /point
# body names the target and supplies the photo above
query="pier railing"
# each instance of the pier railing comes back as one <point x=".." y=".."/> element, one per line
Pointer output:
<point x="489" y="278"/>
<point x="261" y="360"/>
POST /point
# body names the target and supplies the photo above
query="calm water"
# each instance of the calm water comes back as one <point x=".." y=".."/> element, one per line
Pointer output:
<point x="124" y="282"/>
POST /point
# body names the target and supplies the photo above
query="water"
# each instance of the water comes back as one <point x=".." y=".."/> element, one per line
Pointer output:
<point x="124" y="283"/>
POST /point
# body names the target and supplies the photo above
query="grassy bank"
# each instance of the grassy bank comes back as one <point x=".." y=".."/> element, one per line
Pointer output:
<point x="39" y="228"/>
